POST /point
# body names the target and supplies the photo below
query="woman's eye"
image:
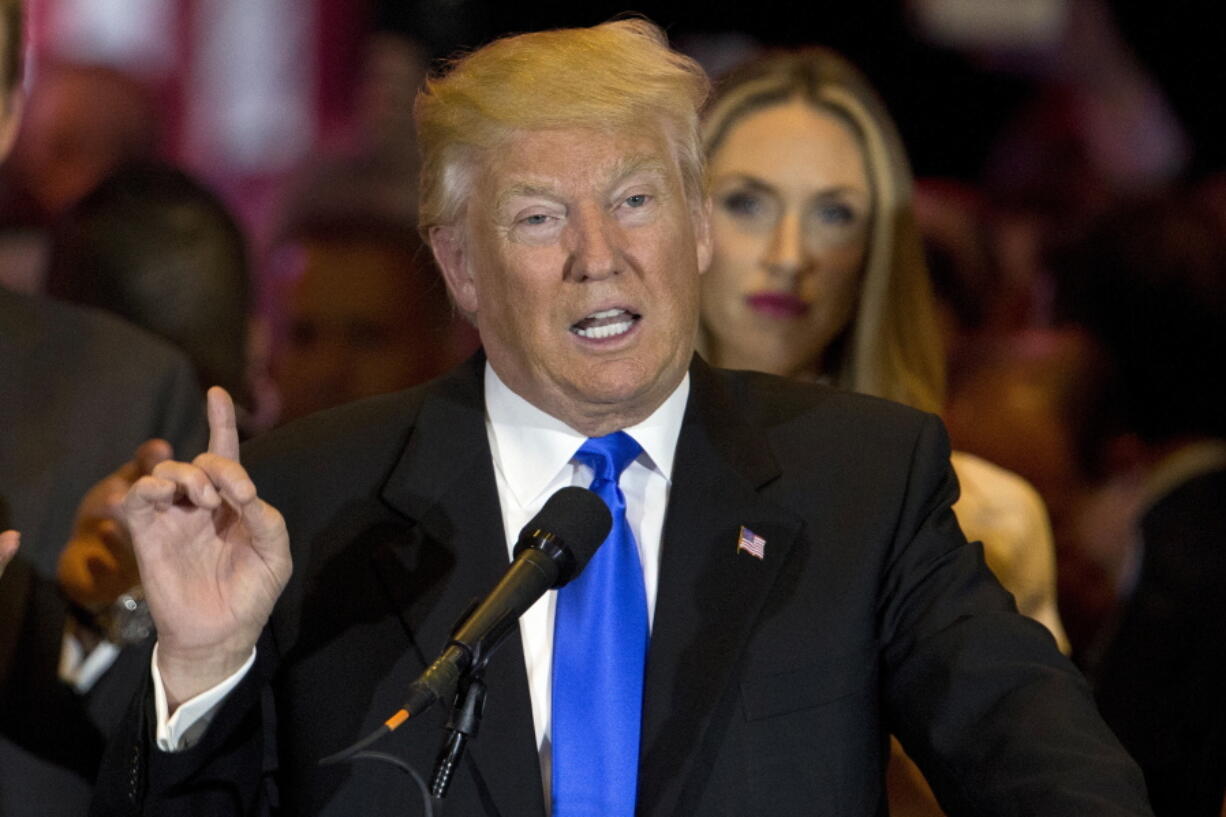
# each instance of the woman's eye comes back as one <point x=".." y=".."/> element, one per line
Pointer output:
<point x="836" y="213"/>
<point x="742" y="204"/>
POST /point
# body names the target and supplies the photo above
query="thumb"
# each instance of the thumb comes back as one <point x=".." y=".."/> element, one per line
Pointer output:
<point x="266" y="526"/>
<point x="150" y="453"/>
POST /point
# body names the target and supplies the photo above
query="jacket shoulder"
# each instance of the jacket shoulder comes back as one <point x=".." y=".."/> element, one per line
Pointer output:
<point x="335" y="452"/>
<point x="779" y="403"/>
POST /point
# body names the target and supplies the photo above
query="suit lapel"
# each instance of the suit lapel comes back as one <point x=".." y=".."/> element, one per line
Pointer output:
<point x="710" y="593"/>
<point x="445" y="483"/>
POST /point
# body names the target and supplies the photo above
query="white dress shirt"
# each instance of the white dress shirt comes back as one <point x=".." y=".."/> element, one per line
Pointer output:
<point x="532" y="456"/>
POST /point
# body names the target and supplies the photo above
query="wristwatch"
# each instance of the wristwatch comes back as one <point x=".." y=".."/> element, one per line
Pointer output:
<point x="127" y="620"/>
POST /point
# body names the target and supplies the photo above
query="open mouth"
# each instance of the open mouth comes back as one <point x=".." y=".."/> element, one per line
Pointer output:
<point x="608" y="323"/>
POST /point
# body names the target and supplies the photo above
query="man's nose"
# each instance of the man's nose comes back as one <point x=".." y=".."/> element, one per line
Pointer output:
<point x="786" y="255"/>
<point x="596" y="253"/>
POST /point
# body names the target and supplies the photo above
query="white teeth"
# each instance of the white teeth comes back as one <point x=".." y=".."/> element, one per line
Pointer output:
<point x="609" y="324"/>
<point x="606" y="331"/>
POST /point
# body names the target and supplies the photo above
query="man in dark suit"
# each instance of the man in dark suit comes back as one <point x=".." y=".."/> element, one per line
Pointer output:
<point x="806" y="586"/>
<point x="79" y="391"/>
<point x="1149" y="283"/>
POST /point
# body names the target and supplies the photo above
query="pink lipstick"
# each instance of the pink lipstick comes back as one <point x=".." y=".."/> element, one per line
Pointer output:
<point x="777" y="304"/>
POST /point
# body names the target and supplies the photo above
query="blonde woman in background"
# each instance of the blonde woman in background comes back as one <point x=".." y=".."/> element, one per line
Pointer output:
<point x="819" y="273"/>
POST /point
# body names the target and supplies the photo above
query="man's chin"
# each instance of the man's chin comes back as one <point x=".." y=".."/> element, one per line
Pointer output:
<point x="626" y="386"/>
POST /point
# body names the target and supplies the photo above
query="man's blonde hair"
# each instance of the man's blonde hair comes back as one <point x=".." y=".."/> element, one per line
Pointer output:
<point x="615" y="75"/>
<point x="892" y="347"/>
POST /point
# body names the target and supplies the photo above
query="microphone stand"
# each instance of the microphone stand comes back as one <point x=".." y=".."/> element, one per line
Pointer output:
<point x="462" y="726"/>
<point x="542" y="560"/>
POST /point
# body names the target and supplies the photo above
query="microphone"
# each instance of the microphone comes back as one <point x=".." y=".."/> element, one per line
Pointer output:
<point x="553" y="548"/>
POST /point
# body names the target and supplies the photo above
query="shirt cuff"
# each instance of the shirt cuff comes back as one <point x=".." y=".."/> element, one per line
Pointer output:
<point x="82" y="671"/>
<point x="183" y="729"/>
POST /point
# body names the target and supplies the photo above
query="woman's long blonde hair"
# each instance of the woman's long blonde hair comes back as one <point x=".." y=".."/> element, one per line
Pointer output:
<point x="893" y="347"/>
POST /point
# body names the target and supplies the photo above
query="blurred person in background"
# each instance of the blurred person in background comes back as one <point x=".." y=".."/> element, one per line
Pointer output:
<point x="818" y="273"/>
<point x="359" y="308"/>
<point x="1097" y="127"/>
<point x="1051" y="383"/>
<point x="364" y="312"/>
<point x="156" y="247"/>
<point x="1005" y="375"/>
<point x="81" y="391"/>
<point x="67" y="370"/>
<point x="80" y="123"/>
<point x="972" y="294"/>
<point x="393" y="70"/>
<point x="1148" y="282"/>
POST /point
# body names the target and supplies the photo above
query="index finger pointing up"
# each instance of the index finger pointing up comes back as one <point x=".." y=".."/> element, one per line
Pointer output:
<point x="223" y="431"/>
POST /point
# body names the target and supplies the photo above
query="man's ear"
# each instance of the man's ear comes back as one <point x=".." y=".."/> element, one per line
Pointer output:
<point x="451" y="255"/>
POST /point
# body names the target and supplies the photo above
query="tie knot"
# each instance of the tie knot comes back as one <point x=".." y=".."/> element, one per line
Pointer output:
<point x="609" y="455"/>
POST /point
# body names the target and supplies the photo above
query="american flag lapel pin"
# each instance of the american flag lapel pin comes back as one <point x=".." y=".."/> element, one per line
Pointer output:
<point x="751" y="543"/>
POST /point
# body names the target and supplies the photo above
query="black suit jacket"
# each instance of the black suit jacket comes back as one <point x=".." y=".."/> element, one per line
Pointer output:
<point x="771" y="684"/>
<point x="79" y="391"/>
<point x="1162" y="682"/>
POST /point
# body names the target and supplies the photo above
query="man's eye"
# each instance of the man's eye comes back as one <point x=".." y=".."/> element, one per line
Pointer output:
<point x="637" y="200"/>
<point x="535" y="219"/>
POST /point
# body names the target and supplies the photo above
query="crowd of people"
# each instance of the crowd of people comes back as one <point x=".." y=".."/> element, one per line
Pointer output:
<point x="585" y="261"/>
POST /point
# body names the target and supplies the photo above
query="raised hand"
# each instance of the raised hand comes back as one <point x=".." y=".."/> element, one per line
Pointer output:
<point x="213" y="558"/>
<point x="98" y="564"/>
<point x="9" y="540"/>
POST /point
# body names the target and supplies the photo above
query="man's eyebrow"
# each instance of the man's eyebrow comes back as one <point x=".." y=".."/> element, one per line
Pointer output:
<point x="622" y="170"/>
<point x="633" y="165"/>
<point x="523" y="190"/>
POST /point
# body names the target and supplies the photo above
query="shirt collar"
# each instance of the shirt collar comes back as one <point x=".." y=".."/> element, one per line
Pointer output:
<point x="531" y="447"/>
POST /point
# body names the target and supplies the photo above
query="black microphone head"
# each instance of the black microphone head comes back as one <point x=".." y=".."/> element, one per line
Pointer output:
<point x="569" y="528"/>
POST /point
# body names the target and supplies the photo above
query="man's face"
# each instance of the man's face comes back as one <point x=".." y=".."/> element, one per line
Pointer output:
<point x="358" y="326"/>
<point x="580" y="255"/>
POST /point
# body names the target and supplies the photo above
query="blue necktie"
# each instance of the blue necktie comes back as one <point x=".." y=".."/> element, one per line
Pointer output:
<point x="599" y="652"/>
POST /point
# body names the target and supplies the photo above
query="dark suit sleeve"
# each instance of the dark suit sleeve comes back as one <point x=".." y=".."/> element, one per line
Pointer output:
<point x="228" y="772"/>
<point x="980" y="697"/>
<point x="1159" y="684"/>
<point x="42" y="720"/>
<point x="236" y="767"/>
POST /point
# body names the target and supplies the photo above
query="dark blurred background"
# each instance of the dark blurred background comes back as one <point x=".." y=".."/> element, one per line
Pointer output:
<point x="1002" y="92"/>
